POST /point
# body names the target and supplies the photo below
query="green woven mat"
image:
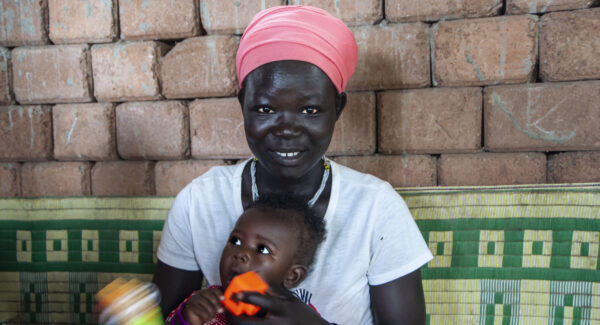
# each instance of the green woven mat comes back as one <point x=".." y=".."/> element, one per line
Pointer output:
<point x="503" y="255"/>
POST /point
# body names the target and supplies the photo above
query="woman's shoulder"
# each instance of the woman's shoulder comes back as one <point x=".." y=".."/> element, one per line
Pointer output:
<point x="352" y="177"/>
<point x="220" y="173"/>
<point x="217" y="176"/>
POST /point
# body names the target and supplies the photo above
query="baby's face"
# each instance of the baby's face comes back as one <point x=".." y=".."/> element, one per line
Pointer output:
<point x="260" y="242"/>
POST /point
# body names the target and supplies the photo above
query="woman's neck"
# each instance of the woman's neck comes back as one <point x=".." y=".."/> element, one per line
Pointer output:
<point x="305" y="186"/>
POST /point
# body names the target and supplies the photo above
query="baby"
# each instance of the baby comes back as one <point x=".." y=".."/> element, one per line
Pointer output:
<point x="277" y="238"/>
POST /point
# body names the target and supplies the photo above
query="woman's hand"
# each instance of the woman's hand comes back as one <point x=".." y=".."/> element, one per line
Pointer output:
<point x="280" y="308"/>
<point x="203" y="306"/>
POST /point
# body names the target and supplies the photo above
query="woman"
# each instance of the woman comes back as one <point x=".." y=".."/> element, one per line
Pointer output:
<point x="293" y="64"/>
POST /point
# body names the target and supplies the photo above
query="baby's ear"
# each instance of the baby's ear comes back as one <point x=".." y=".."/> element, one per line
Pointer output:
<point x="296" y="274"/>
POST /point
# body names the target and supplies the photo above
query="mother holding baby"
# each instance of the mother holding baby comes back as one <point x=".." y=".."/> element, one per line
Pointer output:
<point x="293" y="65"/>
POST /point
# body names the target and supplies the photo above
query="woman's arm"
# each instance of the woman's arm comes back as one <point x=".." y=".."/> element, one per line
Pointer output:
<point x="175" y="285"/>
<point x="399" y="301"/>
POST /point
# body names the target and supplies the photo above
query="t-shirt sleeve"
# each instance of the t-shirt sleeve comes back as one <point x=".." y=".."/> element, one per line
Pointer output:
<point x="176" y="245"/>
<point x="398" y="248"/>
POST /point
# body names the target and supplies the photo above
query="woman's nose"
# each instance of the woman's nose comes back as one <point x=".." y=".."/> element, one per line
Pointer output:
<point x="287" y="126"/>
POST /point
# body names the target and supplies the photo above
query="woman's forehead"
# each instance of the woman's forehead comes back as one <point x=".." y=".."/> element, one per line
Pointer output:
<point x="288" y="75"/>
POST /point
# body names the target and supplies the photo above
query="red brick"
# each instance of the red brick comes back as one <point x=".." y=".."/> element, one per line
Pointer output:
<point x="574" y="167"/>
<point x="542" y="117"/>
<point x="6" y="92"/>
<point x="433" y="120"/>
<point x="84" y="131"/>
<point x="123" y="178"/>
<point x="492" y="169"/>
<point x="173" y="176"/>
<point x="231" y="16"/>
<point x="391" y="56"/>
<point x="351" y="12"/>
<point x="26" y="133"/>
<point x="23" y="22"/>
<point x="355" y="129"/>
<point x="159" y="19"/>
<point x="200" y="67"/>
<point x="127" y="70"/>
<point x="76" y="21"/>
<point x="10" y="179"/>
<point x="153" y="130"/>
<point x="217" y="129"/>
<point x="543" y="6"/>
<point x="52" y="74"/>
<point x="485" y="51"/>
<point x="400" y="171"/>
<point x="56" y="179"/>
<point x="433" y="10"/>
<point x="570" y="45"/>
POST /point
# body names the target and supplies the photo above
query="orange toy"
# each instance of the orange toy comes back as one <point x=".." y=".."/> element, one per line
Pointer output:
<point x="249" y="281"/>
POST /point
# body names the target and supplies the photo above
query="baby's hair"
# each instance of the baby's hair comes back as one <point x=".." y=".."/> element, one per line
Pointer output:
<point x="314" y="227"/>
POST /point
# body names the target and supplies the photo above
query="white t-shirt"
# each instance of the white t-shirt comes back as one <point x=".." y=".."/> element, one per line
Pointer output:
<point x="371" y="238"/>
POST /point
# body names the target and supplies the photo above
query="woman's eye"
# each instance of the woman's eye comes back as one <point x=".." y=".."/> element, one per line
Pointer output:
<point x="310" y="110"/>
<point x="266" y="110"/>
<point x="264" y="250"/>
<point x="235" y="241"/>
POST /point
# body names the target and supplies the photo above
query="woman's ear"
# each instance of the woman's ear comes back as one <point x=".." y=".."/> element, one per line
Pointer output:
<point x="296" y="274"/>
<point x="240" y="97"/>
<point x="340" y="103"/>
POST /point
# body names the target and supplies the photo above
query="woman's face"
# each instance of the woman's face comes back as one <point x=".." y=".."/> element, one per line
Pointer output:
<point x="289" y="110"/>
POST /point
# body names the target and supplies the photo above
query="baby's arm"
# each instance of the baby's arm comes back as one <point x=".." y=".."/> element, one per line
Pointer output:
<point x="203" y="306"/>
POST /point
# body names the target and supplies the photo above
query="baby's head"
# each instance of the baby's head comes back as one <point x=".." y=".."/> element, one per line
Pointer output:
<point x="277" y="238"/>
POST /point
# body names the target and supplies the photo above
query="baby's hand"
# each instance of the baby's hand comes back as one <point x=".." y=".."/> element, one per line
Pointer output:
<point x="202" y="307"/>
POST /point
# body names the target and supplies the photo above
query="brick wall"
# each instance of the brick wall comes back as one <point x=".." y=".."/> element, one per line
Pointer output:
<point x="137" y="97"/>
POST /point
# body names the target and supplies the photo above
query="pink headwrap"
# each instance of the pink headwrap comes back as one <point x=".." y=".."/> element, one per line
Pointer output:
<point x="301" y="33"/>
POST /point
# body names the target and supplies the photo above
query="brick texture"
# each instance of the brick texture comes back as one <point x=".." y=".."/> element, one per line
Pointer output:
<point x="173" y="176"/>
<point x="543" y="6"/>
<point x="391" y="56"/>
<point x="159" y="19"/>
<point x="542" y="117"/>
<point x="354" y="132"/>
<point x="10" y="179"/>
<point x="76" y="21"/>
<point x="231" y="16"/>
<point x="124" y="178"/>
<point x="56" y="179"/>
<point x="492" y="169"/>
<point x="438" y="120"/>
<point x="400" y="171"/>
<point x="84" y="131"/>
<point x="217" y="129"/>
<point x="26" y="133"/>
<point x="23" y="22"/>
<point x="153" y="130"/>
<point x="52" y="74"/>
<point x="6" y="92"/>
<point x="433" y="10"/>
<point x="351" y="12"/>
<point x="574" y="167"/>
<point x="485" y="51"/>
<point x="200" y="67"/>
<point x="127" y="71"/>
<point x="570" y="45"/>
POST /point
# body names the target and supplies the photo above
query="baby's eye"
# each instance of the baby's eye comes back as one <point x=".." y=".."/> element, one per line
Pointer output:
<point x="266" y="110"/>
<point x="235" y="241"/>
<point x="264" y="250"/>
<point x="310" y="110"/>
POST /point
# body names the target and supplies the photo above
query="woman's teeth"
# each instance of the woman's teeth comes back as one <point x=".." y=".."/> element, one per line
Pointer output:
<point x="288" y="154"/>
